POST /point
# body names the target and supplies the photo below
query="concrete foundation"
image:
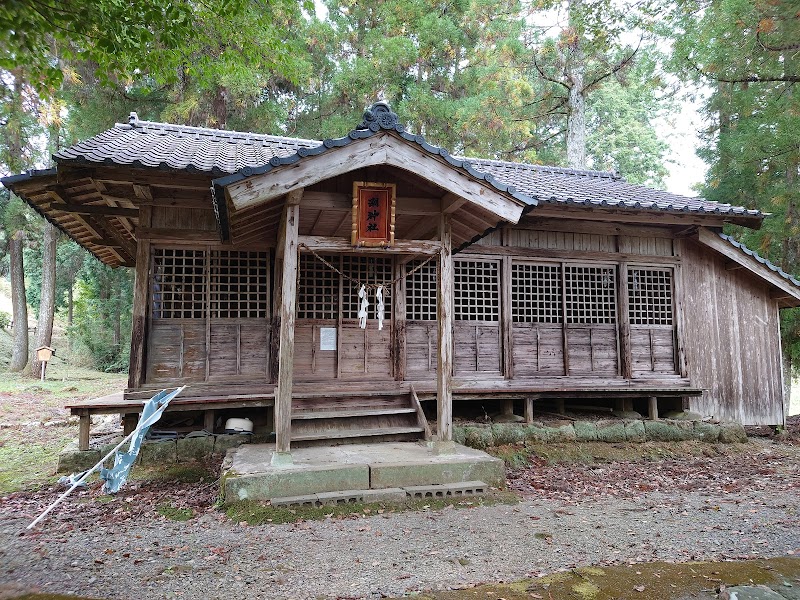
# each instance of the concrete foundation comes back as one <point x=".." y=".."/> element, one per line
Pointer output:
<point x="251" y="473"/>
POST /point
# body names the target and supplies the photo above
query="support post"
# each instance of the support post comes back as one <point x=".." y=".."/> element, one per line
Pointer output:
<point x="399" y="321"/>
<point x="508" y="408"/>
<point x="561" y="406"/>
<point x="209" y="417"/>
<point x="283" y="390"/>
<point x="129" y="421"/>
<point x="83" y="430"/>
<point x="529" y="409"/>
<point x="444" y="370"/>
<point x="141" y="286"/>
<point x="625" y="352"/>
<point x="652" y="407"/>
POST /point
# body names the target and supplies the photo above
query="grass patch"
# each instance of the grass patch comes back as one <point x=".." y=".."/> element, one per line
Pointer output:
<point x="27" y="466"/>
<point x="174" y="513"/>
<point x="259" y="513"/>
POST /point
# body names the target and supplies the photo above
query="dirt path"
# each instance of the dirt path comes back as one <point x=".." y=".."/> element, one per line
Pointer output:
<point x="744" y="505"/>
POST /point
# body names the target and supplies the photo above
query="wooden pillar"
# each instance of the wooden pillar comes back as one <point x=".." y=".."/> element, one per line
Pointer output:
<point x="626" y="360"/>
<point x="444" y="309"/>
<point x="399" y="320"/>
<point x="505" y="319"/>
<point x="283" y="390"/>
<point x="652" y="408"/>
<point x="141" y="287"/>
<point x="529" y="409"/>
<point x="83" y="430"/>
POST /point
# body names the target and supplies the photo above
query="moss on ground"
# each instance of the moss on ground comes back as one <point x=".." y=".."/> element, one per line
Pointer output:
<point x="665" y="581"/>
<point x="521" y="455"/>
<point x="261" y="513"/>
<point x="174" y="513"/>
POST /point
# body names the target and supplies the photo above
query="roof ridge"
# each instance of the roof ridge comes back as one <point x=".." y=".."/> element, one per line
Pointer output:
<point x="134" y="122"/>
<point x="548" y="168"/>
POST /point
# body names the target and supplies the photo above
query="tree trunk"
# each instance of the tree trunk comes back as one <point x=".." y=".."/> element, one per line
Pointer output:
<point x="576" y="102"/>
<point x="19" y="302"/>
<point x="44" y="329"/>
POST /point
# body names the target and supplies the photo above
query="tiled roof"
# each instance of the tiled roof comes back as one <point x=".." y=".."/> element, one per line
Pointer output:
<point x="231" y="156"/>
<point x="752" y="253"/>
<point x="557" y="185"/>
<point x="195" y="149"/>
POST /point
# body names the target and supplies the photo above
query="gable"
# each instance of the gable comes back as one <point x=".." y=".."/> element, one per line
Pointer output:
<point x="376" y="149"/>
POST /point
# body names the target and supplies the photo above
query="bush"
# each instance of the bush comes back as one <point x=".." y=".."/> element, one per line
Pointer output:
<point x="5" y="320"/>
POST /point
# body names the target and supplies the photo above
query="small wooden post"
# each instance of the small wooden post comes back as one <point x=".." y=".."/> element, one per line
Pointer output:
<point x="283" y="389"/>
<point x="209" y="417"/>
<point x="83" y="430"/>
<point x="560" y="406"/>
<point x="444" y="365"/>
<point x="141" y="286"/>
<point x="129" y="422"/>
<point x="508" y="408"/>
<point x="529" y="409"/>
<point x="652" y="406"/>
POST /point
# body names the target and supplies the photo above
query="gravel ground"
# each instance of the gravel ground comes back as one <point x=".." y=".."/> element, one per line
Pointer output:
<point x="379" y="555"/>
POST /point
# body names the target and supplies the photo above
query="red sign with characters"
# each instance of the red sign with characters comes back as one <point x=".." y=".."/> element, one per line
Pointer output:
<point x="373" y="214"/>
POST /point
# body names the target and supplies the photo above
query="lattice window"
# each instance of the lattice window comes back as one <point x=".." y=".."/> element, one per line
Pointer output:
<point x="421" y="292"/>
<point x="178" y="283"/>
<point x="535" y="293"/>
<point x="591" y="294"/>
<point x="477" y="290"/>
<point x="650" y="296"/>
<point x="366" y="269"/>
<point x="318" y="289"/>
<point x="239" y="284"/>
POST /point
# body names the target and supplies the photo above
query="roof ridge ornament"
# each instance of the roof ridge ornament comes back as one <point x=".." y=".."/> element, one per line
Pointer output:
<point x="133" y="119"/>
<point x="379" y="116"/>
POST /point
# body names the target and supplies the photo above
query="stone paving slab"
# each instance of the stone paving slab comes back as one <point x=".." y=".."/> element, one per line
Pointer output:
<point x="251" y="474"/>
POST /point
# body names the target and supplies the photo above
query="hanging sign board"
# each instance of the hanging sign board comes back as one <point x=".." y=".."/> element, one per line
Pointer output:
<point x="373" y="214"/>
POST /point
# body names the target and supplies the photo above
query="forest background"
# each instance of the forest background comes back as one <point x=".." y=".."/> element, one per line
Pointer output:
<point x="582" y="83"/>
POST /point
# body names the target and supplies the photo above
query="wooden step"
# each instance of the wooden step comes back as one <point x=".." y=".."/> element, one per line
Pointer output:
<point x="353" y="433"/>
<point x="349" y="392"/>
<point x="337" y="414"/>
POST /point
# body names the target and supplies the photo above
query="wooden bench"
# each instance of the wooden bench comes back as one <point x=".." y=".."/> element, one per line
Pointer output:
<point x="130" y="406"/>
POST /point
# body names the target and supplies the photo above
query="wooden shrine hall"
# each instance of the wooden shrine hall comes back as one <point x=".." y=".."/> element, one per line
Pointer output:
<point x="346" y="281"/>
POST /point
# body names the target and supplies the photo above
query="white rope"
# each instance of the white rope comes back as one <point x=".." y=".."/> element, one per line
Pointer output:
<point x="379" y="308"/>
<point x="364" y="305"/>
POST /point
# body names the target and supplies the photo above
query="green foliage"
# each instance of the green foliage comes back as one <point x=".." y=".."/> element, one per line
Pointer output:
<point x="5" y="320"/>
<point x="103" y="315"/>
<point x="747" y="52"/>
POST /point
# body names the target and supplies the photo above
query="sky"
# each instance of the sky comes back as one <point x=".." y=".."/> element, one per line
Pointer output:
<point x="686" y="169"/>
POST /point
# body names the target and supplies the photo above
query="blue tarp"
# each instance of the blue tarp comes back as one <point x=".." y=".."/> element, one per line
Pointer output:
<point x="116" y="476"/>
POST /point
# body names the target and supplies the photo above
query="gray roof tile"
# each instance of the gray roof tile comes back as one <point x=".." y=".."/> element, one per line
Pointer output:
<point x="238" y="155"/>
<point x="752" y="253"/>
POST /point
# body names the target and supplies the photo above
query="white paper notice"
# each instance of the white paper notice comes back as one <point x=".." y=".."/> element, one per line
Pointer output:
<point x="327" y="338"/>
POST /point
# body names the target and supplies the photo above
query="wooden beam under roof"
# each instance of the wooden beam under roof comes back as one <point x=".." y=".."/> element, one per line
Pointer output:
<point x="93" y="209"/>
